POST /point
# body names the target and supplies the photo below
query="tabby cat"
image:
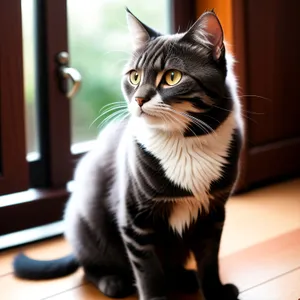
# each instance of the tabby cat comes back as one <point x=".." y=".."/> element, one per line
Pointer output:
<point x="153" y="190"/>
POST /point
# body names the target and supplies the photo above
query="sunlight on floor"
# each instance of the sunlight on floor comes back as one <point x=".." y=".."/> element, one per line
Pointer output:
<point x="260" y="215"/>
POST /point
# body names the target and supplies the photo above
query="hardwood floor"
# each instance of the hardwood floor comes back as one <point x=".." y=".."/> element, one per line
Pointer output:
<point x="260" y="253"/>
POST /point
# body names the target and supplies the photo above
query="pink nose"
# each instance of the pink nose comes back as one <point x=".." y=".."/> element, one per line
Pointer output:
<point x="140" y="101"/>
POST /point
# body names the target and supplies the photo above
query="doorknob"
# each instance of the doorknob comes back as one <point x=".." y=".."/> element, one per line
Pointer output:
<point x="67" y="72"/>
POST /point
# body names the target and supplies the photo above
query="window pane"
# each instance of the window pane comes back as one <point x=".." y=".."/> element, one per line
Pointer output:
<point x="29" y="78"/>
<point x="99" y="45"/>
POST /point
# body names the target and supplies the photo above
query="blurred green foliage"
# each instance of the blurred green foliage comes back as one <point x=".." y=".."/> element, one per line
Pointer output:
<point x="99" y="44"/>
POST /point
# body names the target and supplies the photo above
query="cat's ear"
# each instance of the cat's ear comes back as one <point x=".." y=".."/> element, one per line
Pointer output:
<point x="207" y="29"/>
<point x="140" y="33"/>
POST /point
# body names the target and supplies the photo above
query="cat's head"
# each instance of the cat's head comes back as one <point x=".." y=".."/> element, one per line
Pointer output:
<point x="177" y="82"/>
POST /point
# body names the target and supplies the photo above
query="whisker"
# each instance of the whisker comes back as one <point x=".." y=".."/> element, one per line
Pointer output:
<point x="170" y="114"/>
<point x="255" y="96"/>
<point x="165" y="118"/>
<point x="106" y="112"/>
<point x="96" y="119"/>
<point x="213" y="118"/>
<point x="117" y="103"/>
<point x="123" y="117"/>
<point x="174" y="120"/>
<point x="195" y="121"/>
<point x="198" y="121"/>
<point x="244" y="110"/>
<point x="111" y="117"/>
<point x="243" y="115"/>
<point x="191" y="119"/>
<point x="198" y="125"/>
<point x="110" y="109"/>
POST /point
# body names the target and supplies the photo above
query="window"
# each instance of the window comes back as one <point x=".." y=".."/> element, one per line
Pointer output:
<point x="101" y="62"/>
<point x="43" y="132"/>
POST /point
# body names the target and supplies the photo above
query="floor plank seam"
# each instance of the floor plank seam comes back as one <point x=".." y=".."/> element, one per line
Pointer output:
<point x="64" y="291"/>
<point x="269" y="280"/>
<point x="9" y="273"/>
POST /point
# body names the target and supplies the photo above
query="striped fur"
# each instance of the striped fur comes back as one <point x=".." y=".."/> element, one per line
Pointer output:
<point x="154" y="187"/>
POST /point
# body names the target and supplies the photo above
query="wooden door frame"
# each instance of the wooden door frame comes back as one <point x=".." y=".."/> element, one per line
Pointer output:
<point x="14" y="167"/>
<point x="268" y="161"/>
<point x="53" y="105"/>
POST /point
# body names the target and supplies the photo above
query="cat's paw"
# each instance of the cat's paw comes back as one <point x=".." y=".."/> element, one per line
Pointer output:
<point x="230" y="292"/>
<point x="115" y="287"/>
<point x="226" y="292"/>
<point x="183" y="281"/>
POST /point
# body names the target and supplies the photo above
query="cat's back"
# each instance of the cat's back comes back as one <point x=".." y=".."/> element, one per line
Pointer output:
<point x="110" y="137"/>
<point x="94" y="173"/>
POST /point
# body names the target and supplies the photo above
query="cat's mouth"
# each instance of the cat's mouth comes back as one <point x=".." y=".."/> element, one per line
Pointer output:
<point x="149" y="117"/>
<point x="145" y="113"/>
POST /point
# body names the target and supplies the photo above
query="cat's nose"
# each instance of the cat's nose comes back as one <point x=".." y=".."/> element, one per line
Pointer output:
<point x="141" y="100"/>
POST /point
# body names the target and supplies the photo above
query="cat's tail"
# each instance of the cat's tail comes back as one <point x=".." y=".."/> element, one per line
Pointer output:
<point x="28" y="268"/>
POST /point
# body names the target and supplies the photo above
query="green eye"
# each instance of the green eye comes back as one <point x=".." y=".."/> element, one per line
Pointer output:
<point x="172" y="77"/>
<point x="134" y="77"/>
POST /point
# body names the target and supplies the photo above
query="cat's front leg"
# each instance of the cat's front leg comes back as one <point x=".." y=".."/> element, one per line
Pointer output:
<point x="206" y="244"/>
<point x="149" y="275"/>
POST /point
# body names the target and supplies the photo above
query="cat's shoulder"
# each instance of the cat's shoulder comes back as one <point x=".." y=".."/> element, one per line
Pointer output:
<point x="112" y="129"/>
<point x="102" y="150"/>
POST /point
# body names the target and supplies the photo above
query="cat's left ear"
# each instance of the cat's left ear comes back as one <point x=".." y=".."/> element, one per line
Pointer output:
<point x="208" y="30"/>
<point x="140" y="33"/>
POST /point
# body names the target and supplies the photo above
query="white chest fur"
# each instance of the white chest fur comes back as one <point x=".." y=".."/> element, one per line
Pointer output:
<point x="191" y="163"/>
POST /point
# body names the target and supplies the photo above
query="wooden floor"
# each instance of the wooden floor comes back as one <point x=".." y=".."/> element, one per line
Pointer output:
<point x="260" y="253"/>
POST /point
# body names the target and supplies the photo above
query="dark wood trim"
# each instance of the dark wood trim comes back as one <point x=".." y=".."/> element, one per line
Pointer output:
<point x="53" y="105"/>
<point x="240" y="54"/>
<point x="14" y="168"/>
<point x="38" y="174"/>
<point x="30" y="236"/>
<point x="273" y="70"/>
<point x="274" y="160"/>
<point x="30" y="209"/>
<point x="183" y="15"/>
<point x="272" y="128"/>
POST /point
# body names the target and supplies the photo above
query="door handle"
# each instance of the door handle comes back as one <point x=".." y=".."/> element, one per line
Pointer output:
<point x="66" y="73"/>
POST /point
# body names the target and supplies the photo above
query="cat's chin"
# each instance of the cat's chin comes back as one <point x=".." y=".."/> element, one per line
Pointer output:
<point x="144" y="119"/>
<point x="153" y="122"/>
<point x="149" y="118"/>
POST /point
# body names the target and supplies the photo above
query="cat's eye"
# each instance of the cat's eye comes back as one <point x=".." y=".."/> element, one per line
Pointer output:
<point x="172" y="77"/>
<point x="135" y="77"/>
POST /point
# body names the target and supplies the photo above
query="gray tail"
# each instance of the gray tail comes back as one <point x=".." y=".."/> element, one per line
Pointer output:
<point x="28" y="268"/>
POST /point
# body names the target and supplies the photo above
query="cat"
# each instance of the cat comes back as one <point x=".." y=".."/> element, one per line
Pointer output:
<point x="153" y="189"/>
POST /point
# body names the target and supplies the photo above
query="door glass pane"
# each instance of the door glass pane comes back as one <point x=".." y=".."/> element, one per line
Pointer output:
<point x="29" y="78"/>
<point x="99" y="44"/>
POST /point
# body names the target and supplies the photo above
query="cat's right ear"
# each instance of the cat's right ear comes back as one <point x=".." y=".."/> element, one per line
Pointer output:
<point x="208" y="30"/>
<point x="140" y="33"/>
